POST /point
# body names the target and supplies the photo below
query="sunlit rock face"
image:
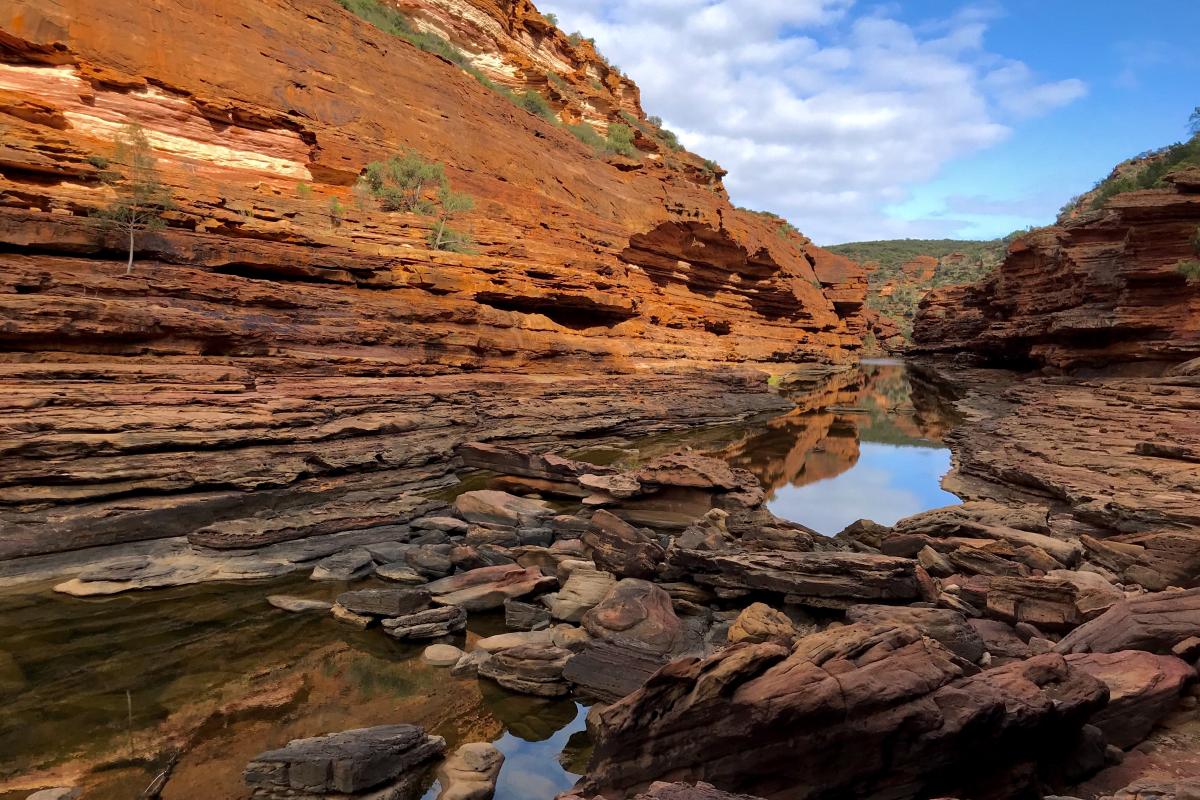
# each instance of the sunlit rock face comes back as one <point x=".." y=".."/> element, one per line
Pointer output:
<point x="279" y="309"/>
<point x="1104" y="290"/>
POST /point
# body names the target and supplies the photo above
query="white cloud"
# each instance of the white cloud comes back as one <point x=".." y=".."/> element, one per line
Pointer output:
<point x="818" y="114"/>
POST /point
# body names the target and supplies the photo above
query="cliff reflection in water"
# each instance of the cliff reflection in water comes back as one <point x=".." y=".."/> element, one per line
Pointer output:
<point x="861" y="444"/>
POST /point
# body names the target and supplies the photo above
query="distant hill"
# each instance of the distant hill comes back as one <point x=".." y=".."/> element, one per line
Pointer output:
<point x="901" y="271"/>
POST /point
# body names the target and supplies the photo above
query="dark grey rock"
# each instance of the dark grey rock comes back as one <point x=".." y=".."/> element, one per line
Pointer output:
<point x="521" y="616"/>
<point x="430" y="624"/>
<point x="385" y="602"/>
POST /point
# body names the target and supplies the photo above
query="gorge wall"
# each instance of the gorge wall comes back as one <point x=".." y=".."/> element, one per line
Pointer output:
<point x="281" y="342"/>
<point x="1108" y="289"/>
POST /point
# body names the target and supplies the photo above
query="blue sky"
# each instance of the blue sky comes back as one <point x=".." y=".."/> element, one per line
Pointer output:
<point x="924" y="119"/>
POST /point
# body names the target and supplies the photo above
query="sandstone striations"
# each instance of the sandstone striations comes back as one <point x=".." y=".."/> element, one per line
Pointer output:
<point x="282" y="335"/>
<point x="1103" y="289"/>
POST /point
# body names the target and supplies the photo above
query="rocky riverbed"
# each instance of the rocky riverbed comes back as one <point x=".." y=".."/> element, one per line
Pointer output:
<point x="664" y="595"/>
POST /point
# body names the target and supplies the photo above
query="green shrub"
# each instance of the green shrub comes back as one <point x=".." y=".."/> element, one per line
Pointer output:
<point x="99" y="162"/>
<point x="335" y="212"/>
<point x="620" y="140"/>
<point x="534" y="103"/>
<point x="1196" y="241"/>
<point x="391" y="21"/>
<point x="587" y="134"/>
<point x="711" y="167"/>
<point x="1189" y="269"/>
<point x="551" y="18"/>
<point x="303" y="190"/>
<point x="400" y="183"/>
<point x="1151" y="174"/>
<point x="450" y="204"/>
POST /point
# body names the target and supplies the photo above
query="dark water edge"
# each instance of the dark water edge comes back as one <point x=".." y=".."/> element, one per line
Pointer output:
<point x="109" y="687"/>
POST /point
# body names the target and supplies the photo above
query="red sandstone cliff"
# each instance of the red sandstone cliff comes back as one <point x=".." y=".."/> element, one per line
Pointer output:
<point x="268" y="358"/>
<point x="1105" y="288"/>
<point x="624" y="262"/>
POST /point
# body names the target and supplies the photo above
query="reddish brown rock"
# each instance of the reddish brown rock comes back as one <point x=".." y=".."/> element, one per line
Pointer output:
<point x="619" y="548"/>
<point x="1143" y="688"/>
<point x="1153" y="622"/>
<point x="1095" y="291"/>
<point x="488" y="587"/>
<point x="639" y="611"/>
<point x="868" y="711"/>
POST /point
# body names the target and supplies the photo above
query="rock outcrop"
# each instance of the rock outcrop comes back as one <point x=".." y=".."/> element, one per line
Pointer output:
<point x="870" y="711"/>
<point x="1100" y="290"/>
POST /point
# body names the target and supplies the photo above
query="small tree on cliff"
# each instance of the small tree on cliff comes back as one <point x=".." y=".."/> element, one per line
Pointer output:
<point x="450" y="204"/>
<point x="1194" y="121"/>
<point x="400" y="183"/>
<point x="141" y="197"/>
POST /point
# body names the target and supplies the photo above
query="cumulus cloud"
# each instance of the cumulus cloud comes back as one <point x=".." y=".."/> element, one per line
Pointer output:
<point x="818" y="112"/>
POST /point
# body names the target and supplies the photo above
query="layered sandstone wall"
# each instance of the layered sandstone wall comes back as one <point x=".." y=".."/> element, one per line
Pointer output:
<point x="1102" y="290"/>
<point x="268" y="350"/>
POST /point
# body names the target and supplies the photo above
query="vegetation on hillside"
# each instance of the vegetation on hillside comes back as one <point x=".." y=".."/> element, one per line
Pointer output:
<point x="895" y="294"/>
<point x="404" y="183"/>
<point x="1144" y="171"/>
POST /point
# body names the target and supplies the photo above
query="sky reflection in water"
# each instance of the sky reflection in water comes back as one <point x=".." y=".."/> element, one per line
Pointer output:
<point x="887" y="483"/>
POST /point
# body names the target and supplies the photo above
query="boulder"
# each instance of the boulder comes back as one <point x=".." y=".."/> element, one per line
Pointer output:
<point x="1001" y="641"/>
<point x="521" y="616"/>
<point x="582" y="591"/>
<point x="450" y="525"/>
<point x="487" y="588"/>
<point x="432" y="623"/>
<point x="289" y="603"/>
<point x="1093" y="593"/>
<point x="486" y="506"/>
<point x="864" y="711"/>
<point x="620" y="548"/>
<point x="345" y="566"/>
<point x="608" y="670"/>
<point x="759" y="623"/>
<point x="1154" y="622"/>
<point x="384" y="602"/>
<point x="805" y="576"/>
<point x="949" y="628"/>
<point x="402" y="573"/>
<point x="535" y="669"/>
<point x="350" y="762"/>
<point x="1142" y="689"/>
<point x="345" y="615"/>
<point x="1048" y="603"/>
<point x="442" y="655"/>
<point x="470" y="773"/>
<point x="638" y="611"/>
<point x="431" y="560"/>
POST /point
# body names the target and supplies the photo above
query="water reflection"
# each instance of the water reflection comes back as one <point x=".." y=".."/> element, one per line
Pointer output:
<point x="214" y="672"/>
<point x="861" y="444"/>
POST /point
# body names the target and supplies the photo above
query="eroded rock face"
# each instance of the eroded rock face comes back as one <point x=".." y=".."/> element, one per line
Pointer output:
<point x="1100" y="290"/>
<point x="279" y="345"/>
<point x="638" y="611"/>
<point x="869" y="710"/>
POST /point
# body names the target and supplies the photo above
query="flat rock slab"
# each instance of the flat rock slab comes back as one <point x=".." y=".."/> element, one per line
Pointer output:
<point x="359" y="510"/>
<point x="430" y="624"/>
<point x="348" y="762"/>
<point x="487" y="588"/>
<point x="535" y="669"/>
<point x="385" y="602"/>
<point x="289" y="603"/>
<point x="608" y="670"/>
<point x="350" y="565"/>
<point x="486" y="506"/>
<point x="442" y="655"/>
<point x="843" y="576"/>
